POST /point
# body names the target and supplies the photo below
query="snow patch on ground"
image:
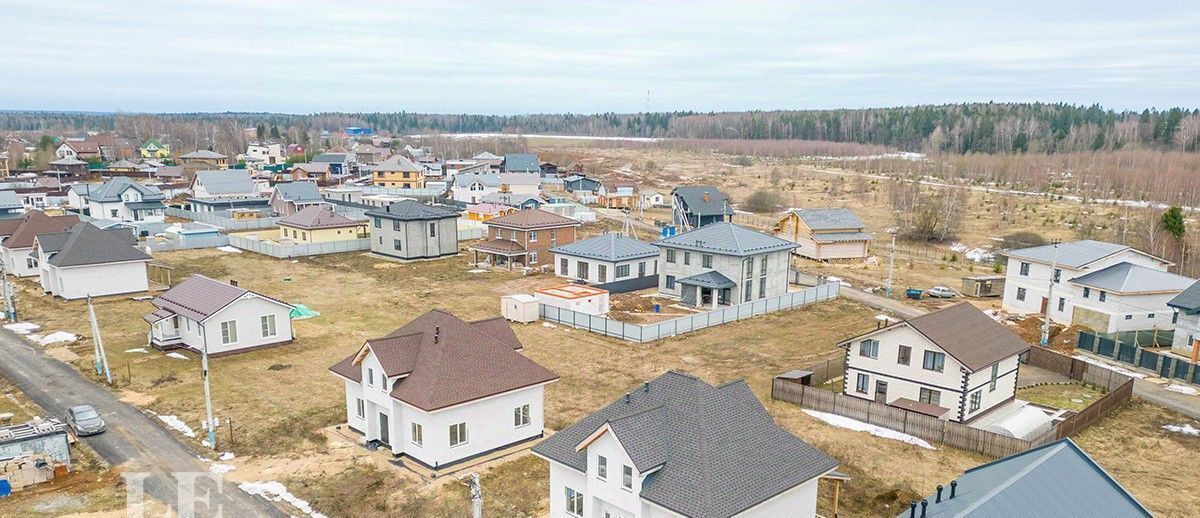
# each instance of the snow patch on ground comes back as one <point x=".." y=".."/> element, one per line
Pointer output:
<point x="878" y="431"/>
<point x="221" y="469"/>
<point x="138" y="350"/>
<point x="1182" y="389"/>
<point x="177" y="356"/>
<point x="477" y="270"/>
<point x="229" y="249"/>
<point x="978" y="255"/>
<point x="227" y="456"/>
<point x="1114" y="368"/>
<point x="547" y="324"/>
<point x="22" y="328"/>
<point x="54" y="338"/>
<point x="1185" y="429"/>
<point x="177" y="424"/>
<point x="276" y="492"/>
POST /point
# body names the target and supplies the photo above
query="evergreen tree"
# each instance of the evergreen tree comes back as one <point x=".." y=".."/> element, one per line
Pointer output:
<point x="1172" y="222"/>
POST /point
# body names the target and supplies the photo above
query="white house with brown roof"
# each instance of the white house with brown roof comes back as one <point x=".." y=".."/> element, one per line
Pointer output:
<point x="201" y="314"/>
<point x="441" y="390"/>
<point x="955" y="363"/>
<point x="17" y="235"/>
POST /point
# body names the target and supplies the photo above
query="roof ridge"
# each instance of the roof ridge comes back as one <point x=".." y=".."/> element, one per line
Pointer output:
<point x="1011" y="479"/>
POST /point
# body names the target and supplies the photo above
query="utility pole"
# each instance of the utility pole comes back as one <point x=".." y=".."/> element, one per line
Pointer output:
<point x="98" y="344"/>
<point x="1050" y="295"/>
<point x="891" y="262"/>
<point x="10" y="310"/>
<point x="476" y="494"/>
<point x="208" y="423"/>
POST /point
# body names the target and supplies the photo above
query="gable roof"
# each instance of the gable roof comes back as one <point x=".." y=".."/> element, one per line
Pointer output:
<point x="86" y="244"/>
<point x="310" y="167"/>
<point x="397" y="163"/>
<point x="717" y="450"/>
<point x="610" y="247"/>
<point x="531" y="219"/>
<point x="203" y="154"/>
<point x="709" y="279"/>
<point x="486" y="156"/>
<point x="34" y="223"/>
<point x="83" y="146"/>
<point x="1188" y="299"/>
<point x="968" y="335"/>
<point x="446" y="361"/>
<point x="9" y="200"/>
<point x="316" y="217"/>
<point x="412" y="210"/>
<point x="298" y="192"/>
<point x="1126" y="277"/>
<point x="68" y="161"/>
<point x="1073" y="254"/>
<point x="112" y="190"/>
<point x="232" y="181"/>
<point x="487" y="208"/>
<point x="329" y="158"/>
<point x="1055" y="480"/>
<point x="521" y="162"/>
<point x="693" y="197"/>
<point x="726" y="238"/>
<point x="829" y="219"/>
<point x="153" y="142"/>
<point x="199" y="297"/>
<point x="122" y="164"/>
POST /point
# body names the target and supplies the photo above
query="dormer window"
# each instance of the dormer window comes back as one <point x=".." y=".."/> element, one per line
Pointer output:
<point x="627" y="477"/>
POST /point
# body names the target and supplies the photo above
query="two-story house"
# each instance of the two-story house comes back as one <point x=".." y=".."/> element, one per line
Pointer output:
<point x="409" y="229"/>
<point x="204" y="158"/>
<point x="695" y="206"/>
<point x="16" y="248"/>
<point x="523" y="163"/>
<point x="268" y="153"/>
<point x="618" y="195"/>
<point x="122" y="199"/>
<point x="1186" y="317"/>
<point x="955" y="363"/>
<point x="722" y="264"/>
<point x="472" y="187"/>
<point x="221" y="190"/>
<point x="78" y="149"/>
<point x="397" y="172"/>
<point x="154" y="149"/>
<point x="292" y="197"/>
<point x="1028" y="275"/>
<point x="202" y="314"/>
<point x="679" y="447"/>
<point x="339" y="163"/>
<point x="825" y="234"/>
<point x="1122" y="297"/>
<point x="608" y="258"/>
<point x="441" y="390"/>
<point x="524" y="238"/>
<point x="86" y="261"/>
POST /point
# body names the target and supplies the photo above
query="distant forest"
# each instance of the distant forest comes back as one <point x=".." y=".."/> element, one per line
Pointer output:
<point x="956" y="128"/>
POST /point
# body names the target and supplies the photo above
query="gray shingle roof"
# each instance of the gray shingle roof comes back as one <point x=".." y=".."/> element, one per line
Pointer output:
<point x="521" y="163"/>
<point x="1188" y="299"/>
<point x="329" y="158"/>
<point x="299" y="192"/>
<point x="1073" y="254"/>
<point x="719" y="451"/>
<point x="610" y="247"/>
<point x="203" y="154"/>
<point x="1126" y="277"/>
<point x="1056" y="480"/>
<point x="9" y="200"/>
<point x="112" y="190"/>
<point x="727" y="239"/>
<point x="412" y="210"/>
<point x="693" y="198"/>
<point x="710" y="279"/>
<point x="841" y="237"/>
<point x="234" y="181"/>
<point x="85" y="244"/>
<point x="830" y="219"/>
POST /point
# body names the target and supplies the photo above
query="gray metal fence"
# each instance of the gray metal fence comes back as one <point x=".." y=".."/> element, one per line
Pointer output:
<point x="222" y="221"/>
<point x="283" y="251"/>
<point x="187" y="244"/>
<point x="643" y="333"/>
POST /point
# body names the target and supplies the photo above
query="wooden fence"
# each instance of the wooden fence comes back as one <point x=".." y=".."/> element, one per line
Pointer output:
<point x="1097" y="410"/>
<point x="827" y="370"/>
<point x="951" y="434"/>
<point x="1077" y="370"/>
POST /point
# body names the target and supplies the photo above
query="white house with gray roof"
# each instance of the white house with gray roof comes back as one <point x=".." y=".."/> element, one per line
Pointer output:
<point x="608" y="258"/>
<point x="87" y="261"/>
<point x="471" y="188"/>
<point x="1028" y="273"/>
<point x="1186" y="317"/>
<point x="1135" y="298"/>
<point x="825" y="234"/>
<point x="122" y="199"/>
<point x="235" y="182"/>
<point x="722" y="264"/>
<point x="679" y="447"/>
<point x="409" y="229"/>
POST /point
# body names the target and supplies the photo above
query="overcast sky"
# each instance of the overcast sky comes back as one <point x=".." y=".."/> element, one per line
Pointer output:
<point x="498" y="57"/>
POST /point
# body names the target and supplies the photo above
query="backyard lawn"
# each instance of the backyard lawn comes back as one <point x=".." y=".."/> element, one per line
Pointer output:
<point x="1072" y="396"/>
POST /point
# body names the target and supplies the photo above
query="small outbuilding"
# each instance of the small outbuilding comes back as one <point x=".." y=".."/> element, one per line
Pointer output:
<point x="575" y="297"/>
<point x="519" y="308"/>
<point x="983" y="286"/>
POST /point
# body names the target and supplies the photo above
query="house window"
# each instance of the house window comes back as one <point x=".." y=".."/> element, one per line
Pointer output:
<point x="113" y="213"/>
<point x="1087" y="292"/>
<point x="975" y="400"/>
<point x="370" y="377"/>
<point x="626" y="477"/>
<point x="418" y="434"/>
<point x="1025" y="269"/>
<point x="574" y="502"/>
<point x="362" y="408"/>
<point x="564" y="266"/>
<point x="762" y="288"/>
<point x="762" y="267"/>
<point x="905" y="355"/>
<point x="1103" y="296"/>
<point x="622" y="271"/>
<point x="687" y="257"/>
<point x="860" y="385"/>
<point x="869" y="348"/>
<point x="268" y="325"/>
<point x="934" y="361"/>
<point x="1150" y="315"/>
<point x="706" y="260"/>
<point x="932" y="397"/>
<point x="748" y="266"/>
<point x="642" y="269"/>
<point x="1020" y="293"/>
<point x="533" y="257"/>
<point x="995" y="376"/>
<point x="671" y="256"/>
<point x="1175" y="317"/>
<point x="532" y="236"/>
<point x="378" y="222"/>
<point x="670" y="282"/>
<point x="749" y="291"/>
<point x="1062" y="303"/>
<point x="31" y="262"/>
<point x="458" y="434"/>
<point x="602" y="272"/>
<point x="520" y="416"/>
<point x="229" y="332"/>
<point x="396" y="244"/>
<point x="513" y="233"/>
<point x="1128" y="317"/>
<point x="395" y="224"/>
<point x="433" y="230"/>
<point x="602" y="467"/>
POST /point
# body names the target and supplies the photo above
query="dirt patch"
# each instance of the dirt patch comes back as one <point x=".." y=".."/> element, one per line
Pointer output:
<point x="138" y="399"/>
<point x="62" y="354"/>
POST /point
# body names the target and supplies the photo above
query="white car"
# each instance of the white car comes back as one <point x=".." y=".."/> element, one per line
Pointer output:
<point x="941" y="292"/>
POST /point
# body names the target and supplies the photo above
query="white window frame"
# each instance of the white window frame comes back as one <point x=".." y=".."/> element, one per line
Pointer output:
<point x="229" y="333"/>
<point x="417" y="434"/>
<point x="361" y="408"/>
<point x="458" y="434"/>
<point x="602" y="467"/>
<point x="574" y="502"/>
<point x="521" y="416"/>
<point x="626" y="477"/>
<point x="267" y="323"/>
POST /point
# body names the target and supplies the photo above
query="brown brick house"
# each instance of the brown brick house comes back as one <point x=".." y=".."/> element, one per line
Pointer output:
<point x="524" y="238"/>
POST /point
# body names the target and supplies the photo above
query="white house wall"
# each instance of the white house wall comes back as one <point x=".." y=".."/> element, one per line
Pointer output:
<point x="15" y="262"/>
<point x="247" y="312"/>
<point x="904" y="381"/>
<point x="593" y="268"/>
<point x="98" y="280"/>
<point x="729" y="266"/>
<point x="1035" y="284"/>
<point x="562" y="477"/>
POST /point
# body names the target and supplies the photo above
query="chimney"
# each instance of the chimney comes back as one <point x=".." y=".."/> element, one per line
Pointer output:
<point x="938" y="499"/>
<point x="646" y="387"/>
<point x="626" y="398"/>
<point x="707" y="197"/>
<point x="953" y="486"/>
<point x="912" y="510"/>
<point x="232" y="283"/>
<point x="924" y="503"/>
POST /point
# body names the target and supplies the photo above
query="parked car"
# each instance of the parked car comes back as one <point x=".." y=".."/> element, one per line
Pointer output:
<point x="941" y="292"/>
<point x="85" y="420"/>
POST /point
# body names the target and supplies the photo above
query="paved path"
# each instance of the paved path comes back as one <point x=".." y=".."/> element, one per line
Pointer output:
<point x="134" y="439"/>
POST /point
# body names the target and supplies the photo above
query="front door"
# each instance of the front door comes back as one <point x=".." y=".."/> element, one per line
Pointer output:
<point x="706" y="296"/>
<point x="384" y="429"/>
<point x="881" y="391"/>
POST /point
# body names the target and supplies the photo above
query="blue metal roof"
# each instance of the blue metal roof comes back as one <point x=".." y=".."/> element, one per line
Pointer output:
<point x="1131" y="278"/>
<point x="727" y="239"/>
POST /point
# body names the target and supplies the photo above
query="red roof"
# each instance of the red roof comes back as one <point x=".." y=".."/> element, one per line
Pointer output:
<point x="34" y="223"/>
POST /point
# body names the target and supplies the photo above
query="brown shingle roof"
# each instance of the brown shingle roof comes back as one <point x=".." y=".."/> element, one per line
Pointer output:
<point x="199" y="297"/>
<point x="315" y="217"/>
<point x="531" y="219"/>
<point x="969" y="335"/>
<point x="34" y="223"/>
<point x="448" y="361"/>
